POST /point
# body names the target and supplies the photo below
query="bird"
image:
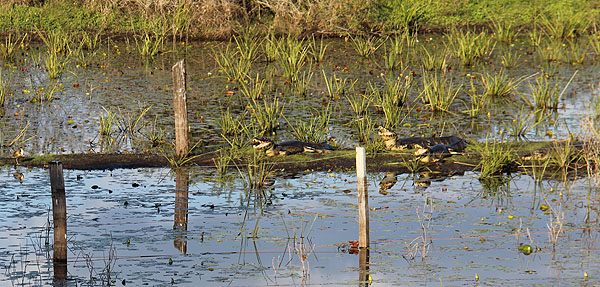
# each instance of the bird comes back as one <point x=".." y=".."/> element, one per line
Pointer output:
<point x="19" y="176"/>
<point x="17" y="154"/>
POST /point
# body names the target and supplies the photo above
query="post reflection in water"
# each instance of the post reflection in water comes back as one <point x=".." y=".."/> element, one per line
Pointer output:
<point x="59" y="215"/>
<point x="363" y="267"/>
<point x="182" y="182"/>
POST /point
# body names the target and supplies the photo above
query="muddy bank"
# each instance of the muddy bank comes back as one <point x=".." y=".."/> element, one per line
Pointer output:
<point x="340" y="160"/>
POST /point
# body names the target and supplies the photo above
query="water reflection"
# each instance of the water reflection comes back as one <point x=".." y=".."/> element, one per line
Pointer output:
<point x="182" y="183"/>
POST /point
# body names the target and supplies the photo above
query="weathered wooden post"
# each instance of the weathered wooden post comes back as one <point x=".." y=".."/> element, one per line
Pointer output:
<point x="363" y="198"/>
<point x="180" y="105"/>
<point x="59" y="214"/>
<point x="182" y="183"/>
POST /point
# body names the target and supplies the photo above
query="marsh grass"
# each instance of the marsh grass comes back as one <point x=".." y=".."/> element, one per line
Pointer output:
<point x="223" y="159"/>
<point x="248" y="43"/>
<point x="499" y="84"/>
<point x="256" y="171"/>
<point x="154" y="133"/>
<point x="564" y="23"/>
<point x="439" y="92"/>
<point x="338" y="87"/>
<point x="107" y="122"/>
<point x="291" y="56"/>
<point x="302" y="86"/>
<point x="478" y="102"/>
<point x="394" y="95"/>
<point x="504" y="31"/>
<point x="510" y="59"/>
<point x="228" y="123"/>
<point x="55" y="65"/>
<point x="253" y="89"/>
<point x="40" y="93"/>
<point x="565" y="155"/>
<point x="552" y="50"/>
<point x="317" y="49"/>
<point x="392" y="60"/>
<point x="57" y="41"/>
<point x="359" y="104"/>
<point x="266" y="114"/>
<point x="270" y="47"/>
<point x="315" y="128"/>
<point x="234" y="67"/>
<point x="149" y="44"/>
<point x="520" y="125"/>
<point x="495" y="158"/>
<point x="469" y="46"/>
<point x="434" y="61"/>
<point x="366" y="46"/>
<point x="131" y="122"/>
<point x="4" y="85"/>
<point x="594" y="43"/>
<point x="546" y="93"/>
<point x="9" y="48"/>
<point x="576" y="52"/>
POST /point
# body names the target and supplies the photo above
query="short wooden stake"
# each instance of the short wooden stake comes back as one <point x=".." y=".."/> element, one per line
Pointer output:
<point x="59" y="214"/>
<point x="180" y="105"/>
<point x="363" y="198"/>
<point x="182" y="183"/>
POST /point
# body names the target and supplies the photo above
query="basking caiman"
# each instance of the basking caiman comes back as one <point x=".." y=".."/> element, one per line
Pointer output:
<point x="289" y="147"/>
<point x="392" y="142"/>
<point x="435" y="153"/>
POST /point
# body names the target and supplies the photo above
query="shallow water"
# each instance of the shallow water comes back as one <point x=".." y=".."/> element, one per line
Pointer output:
<point x="119" y="80"/>
<point x="308" y="217"/>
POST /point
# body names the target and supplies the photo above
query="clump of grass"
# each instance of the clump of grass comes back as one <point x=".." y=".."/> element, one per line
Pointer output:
<point x="478" y="102"/>
<point x="360" y="104"/>
<point x="552" y="50"/>
<point x="291" y="56"/>
<point x="436" y="60"/>
<point x="154" y="134"/>
<point x="266" y="114"/>
<point x="256" y="171"/>
<point x="469" y="46"/>
<point x="338" y="87"/>
<point x="317" y="49"/>
<point x="439" y="92"/>
<point x="314" y="129"/>
<point x="4" y="84"/>
<point x="302" y="86"/>
<point x="504" y="31"/>
<point x="499" y="85"/>
<point x="228" y="123"/>
<point x="270" y="47"/>
<point x="107" y="122"/>
<point x="495" y="158"/>
<point x="394" y="95"/>
<point x="546" y="93"/>
<point x="594" y="42"/>
<point x="565" y="24"/>
<point x="150" y="41"/>
<point x="576" y="52"/>
<point x="234" y="67"/>
<point x="248" y="44"/>
<point x="366" y="46"/>
<point x="519" y="126"/>
<point x="9" y="48"/>
<point x="510" y="59"/>
<point x="254" y="89"/>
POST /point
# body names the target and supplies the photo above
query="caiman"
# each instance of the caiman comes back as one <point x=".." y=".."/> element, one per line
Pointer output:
<point x="573" y="148"/>
<point x="393" y="143"/>
<point x="435" y="153"/>
<point x="289" y="147"/>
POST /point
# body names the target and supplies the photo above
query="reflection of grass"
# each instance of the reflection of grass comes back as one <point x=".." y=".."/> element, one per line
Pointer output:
<point x="256" y="171"/>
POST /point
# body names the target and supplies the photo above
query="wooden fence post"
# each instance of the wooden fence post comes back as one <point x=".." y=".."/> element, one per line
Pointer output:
<point x="180" y="105"/>
<point x="363" y="198"/>
<point x="59" y="214"/>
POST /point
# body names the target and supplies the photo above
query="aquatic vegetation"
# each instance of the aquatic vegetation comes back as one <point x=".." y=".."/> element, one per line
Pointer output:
<point x="366" y="46"/>
<point x="253" y="89"/>
<point x="270" y="47"/>
<point x="302" y="86"/>
<point x="256" y="171"/>
<point x="478" y="102"/>
<point x="314" y="129"/>
<point x="436" y="60"/>
<point x="56" y="40"/>
<point x="234" y="67"/>
<point x="499" y="84"/>
<point x="9" y="48"/>
<point x="223" y="159"/>
<point x="154" y="134"/>
<point x="55" y="65"/>
<point x="131" y="122"/>
<point x="338" y="87"/>
<point x="421" y="244"/>
<point x="228" y="123"/>
<point x="564" y="24"/>
<point x="552" y="50"/>
<point x="510" y="59"/>
<point x="317" y="50"/>
<point x="266" y="114"/>
<point x="248" y="43"/>
<point x="392" y="60"/>
<point x="546" y="93"/>
<point x="390" y="100"/>
<point x="495" y="157"/>
<point x="576" y="52"/>
<point x="469" y="46"/>
<point x="149" y="44"/>
<point x="520" y="126"/>
<point x="504" y="31"/>
<point x="107" y="122"/>
<point x="4" y="84"/>
<point x="291" y="56"/>
<point x="359" y="104"/>
<point x="439" y="92"/>
<point x="594" y="42"/>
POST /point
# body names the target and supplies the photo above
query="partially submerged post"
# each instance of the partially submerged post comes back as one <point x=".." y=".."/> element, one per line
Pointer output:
<point x="363" y="199"/>
<point x="180" y="105"/>
<point x="59" y="214"/>
<point x="182" y="183"/>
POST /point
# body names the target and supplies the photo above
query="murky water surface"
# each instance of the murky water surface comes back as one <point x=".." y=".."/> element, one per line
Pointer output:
<point x="297" y="231"/>
<point x="120" y="81"/>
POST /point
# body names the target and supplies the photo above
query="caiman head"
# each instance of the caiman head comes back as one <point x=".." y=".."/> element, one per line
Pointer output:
<point x="386" y="133"/>
<point x="262" y="143"/>
<point x="390" y="139"/>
